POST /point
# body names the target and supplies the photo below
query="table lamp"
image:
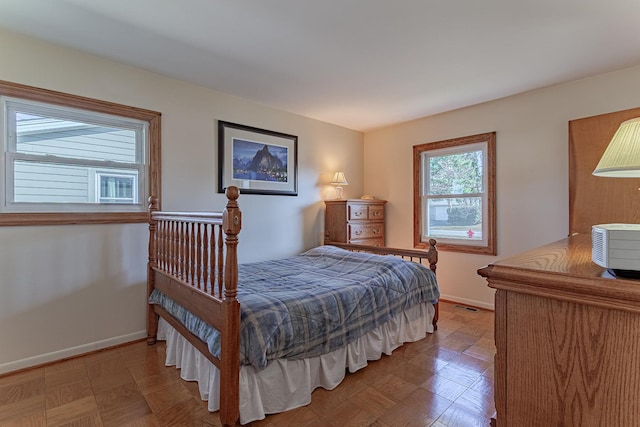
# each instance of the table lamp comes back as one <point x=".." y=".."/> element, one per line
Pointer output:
<point x="339" y="180"/>
<point x="616" y="246"/>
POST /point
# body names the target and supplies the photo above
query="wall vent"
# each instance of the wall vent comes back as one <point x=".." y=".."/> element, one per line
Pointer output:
<point x="464" y="307"/>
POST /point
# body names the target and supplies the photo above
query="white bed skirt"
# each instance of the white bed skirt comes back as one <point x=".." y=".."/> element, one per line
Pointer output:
<point x="288" y="384"/>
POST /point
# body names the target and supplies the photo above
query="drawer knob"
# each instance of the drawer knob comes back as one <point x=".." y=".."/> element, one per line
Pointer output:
<point x="376" y="231"/>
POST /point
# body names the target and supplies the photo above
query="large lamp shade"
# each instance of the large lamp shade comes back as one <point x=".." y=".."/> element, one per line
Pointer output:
<point x="621" y="159"/>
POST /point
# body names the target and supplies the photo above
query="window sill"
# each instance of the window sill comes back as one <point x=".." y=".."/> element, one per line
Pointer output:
<point x="66" y="218"/>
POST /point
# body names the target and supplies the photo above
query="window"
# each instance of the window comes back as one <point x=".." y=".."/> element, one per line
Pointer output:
<point x="69" y="159"/>
<point x="116" y="188"/>
<point x="454" y="194"/>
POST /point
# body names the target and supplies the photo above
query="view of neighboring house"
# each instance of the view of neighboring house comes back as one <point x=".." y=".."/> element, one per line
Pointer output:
<point x="69" y="161"/>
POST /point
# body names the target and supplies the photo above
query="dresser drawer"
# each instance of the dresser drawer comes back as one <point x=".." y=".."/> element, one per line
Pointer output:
<point x="357" y="212"/>
<point x="376" y="212"/>
<point x="366" y="212"/>
<point x="379" y="242"/>
<point x="366" y="231"/>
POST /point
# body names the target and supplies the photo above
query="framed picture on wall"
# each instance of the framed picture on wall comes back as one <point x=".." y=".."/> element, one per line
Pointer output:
<point x="257" y="161"/>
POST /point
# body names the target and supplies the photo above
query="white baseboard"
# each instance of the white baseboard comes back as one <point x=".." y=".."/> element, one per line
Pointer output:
<point x="470" y="302"/>
<point x="111" y="342"/>
<point x="69" y="352"/>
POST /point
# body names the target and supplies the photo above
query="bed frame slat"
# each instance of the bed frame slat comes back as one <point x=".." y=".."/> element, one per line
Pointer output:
<point x="193" y="339"/>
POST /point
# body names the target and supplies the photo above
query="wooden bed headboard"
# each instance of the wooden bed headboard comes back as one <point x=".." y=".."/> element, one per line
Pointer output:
<point x="598" y="200"/>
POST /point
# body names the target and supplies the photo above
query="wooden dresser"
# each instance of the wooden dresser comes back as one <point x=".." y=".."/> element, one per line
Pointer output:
<point x="354" y="221"/>
<point x="567" y="337"/>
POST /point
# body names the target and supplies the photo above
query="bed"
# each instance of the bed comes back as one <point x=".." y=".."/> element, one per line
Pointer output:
<point x="195" y="286"/>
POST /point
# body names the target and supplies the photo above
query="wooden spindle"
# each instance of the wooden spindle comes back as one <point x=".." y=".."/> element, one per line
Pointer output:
<point x="186" y="251"/>
<point x="176" y="247"/>
<point x="192" y="255"/>
<point x="169" y="246"/>
<point x="158" y="243"/>
<point x="199" y="256"/>
<point x="220" y="261"/>
<point x="165" y="245"/>
<point x="205" y="256"/>
<point x="169" y="238"/>
<point x="180" y="253"/>
<point x="212" y="260"/>
<point x="159" y="240"/>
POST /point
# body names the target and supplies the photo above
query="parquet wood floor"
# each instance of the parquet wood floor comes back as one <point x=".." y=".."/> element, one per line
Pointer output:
<point x="445" y="379"/>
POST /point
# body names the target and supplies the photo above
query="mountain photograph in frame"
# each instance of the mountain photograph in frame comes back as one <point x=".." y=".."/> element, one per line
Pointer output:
<point x="257" y="161"/>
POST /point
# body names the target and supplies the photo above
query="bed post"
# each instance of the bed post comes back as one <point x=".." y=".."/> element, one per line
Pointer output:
<point x="152" y="317"/>
<point x="433" y="260"/>
<point x="433" y="255"/>
<point x="230" y="337"/>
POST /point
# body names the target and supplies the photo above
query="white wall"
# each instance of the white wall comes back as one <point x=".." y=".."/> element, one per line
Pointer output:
<point x="532" y="169"/>
<point x="66" y="290"/>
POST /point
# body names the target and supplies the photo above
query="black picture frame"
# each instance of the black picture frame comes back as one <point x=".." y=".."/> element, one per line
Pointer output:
<point x="257" y="161"/>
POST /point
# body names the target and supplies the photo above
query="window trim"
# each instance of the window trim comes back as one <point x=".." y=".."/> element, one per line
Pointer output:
<point x="19" y="91"/>
<point x="490" y="220"/>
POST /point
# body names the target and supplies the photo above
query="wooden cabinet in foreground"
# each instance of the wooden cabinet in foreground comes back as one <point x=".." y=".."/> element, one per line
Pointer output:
<point x="567" y="337"/>
<point x="354" y="221"/>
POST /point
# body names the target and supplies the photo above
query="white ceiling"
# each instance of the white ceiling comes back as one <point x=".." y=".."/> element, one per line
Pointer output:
<point x="361" y="64"/>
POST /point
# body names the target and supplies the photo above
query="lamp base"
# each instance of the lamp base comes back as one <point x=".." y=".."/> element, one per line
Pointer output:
<point x="339" y="192"/>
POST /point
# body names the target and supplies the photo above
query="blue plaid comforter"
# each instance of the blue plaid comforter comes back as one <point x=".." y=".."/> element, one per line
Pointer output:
<point x="314" y="303"/>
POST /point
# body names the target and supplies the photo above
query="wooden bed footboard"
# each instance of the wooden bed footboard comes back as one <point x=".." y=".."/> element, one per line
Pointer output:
<point x="419" y="256"/>
<point x="193" y="260"/>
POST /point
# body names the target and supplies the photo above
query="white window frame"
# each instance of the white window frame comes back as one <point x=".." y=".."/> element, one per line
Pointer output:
<point x="8" y="131"/>
<point x="99" y="175"/>
<point x="422" y="194"/>
<point x="72" y="213"/>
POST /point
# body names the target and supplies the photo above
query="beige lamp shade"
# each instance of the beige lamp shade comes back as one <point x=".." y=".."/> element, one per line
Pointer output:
<point x="339" y="179"/>
<point x="621" y="159"/>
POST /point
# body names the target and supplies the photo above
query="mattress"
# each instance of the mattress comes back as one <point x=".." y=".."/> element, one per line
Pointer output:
<point x="314" y="303"/>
